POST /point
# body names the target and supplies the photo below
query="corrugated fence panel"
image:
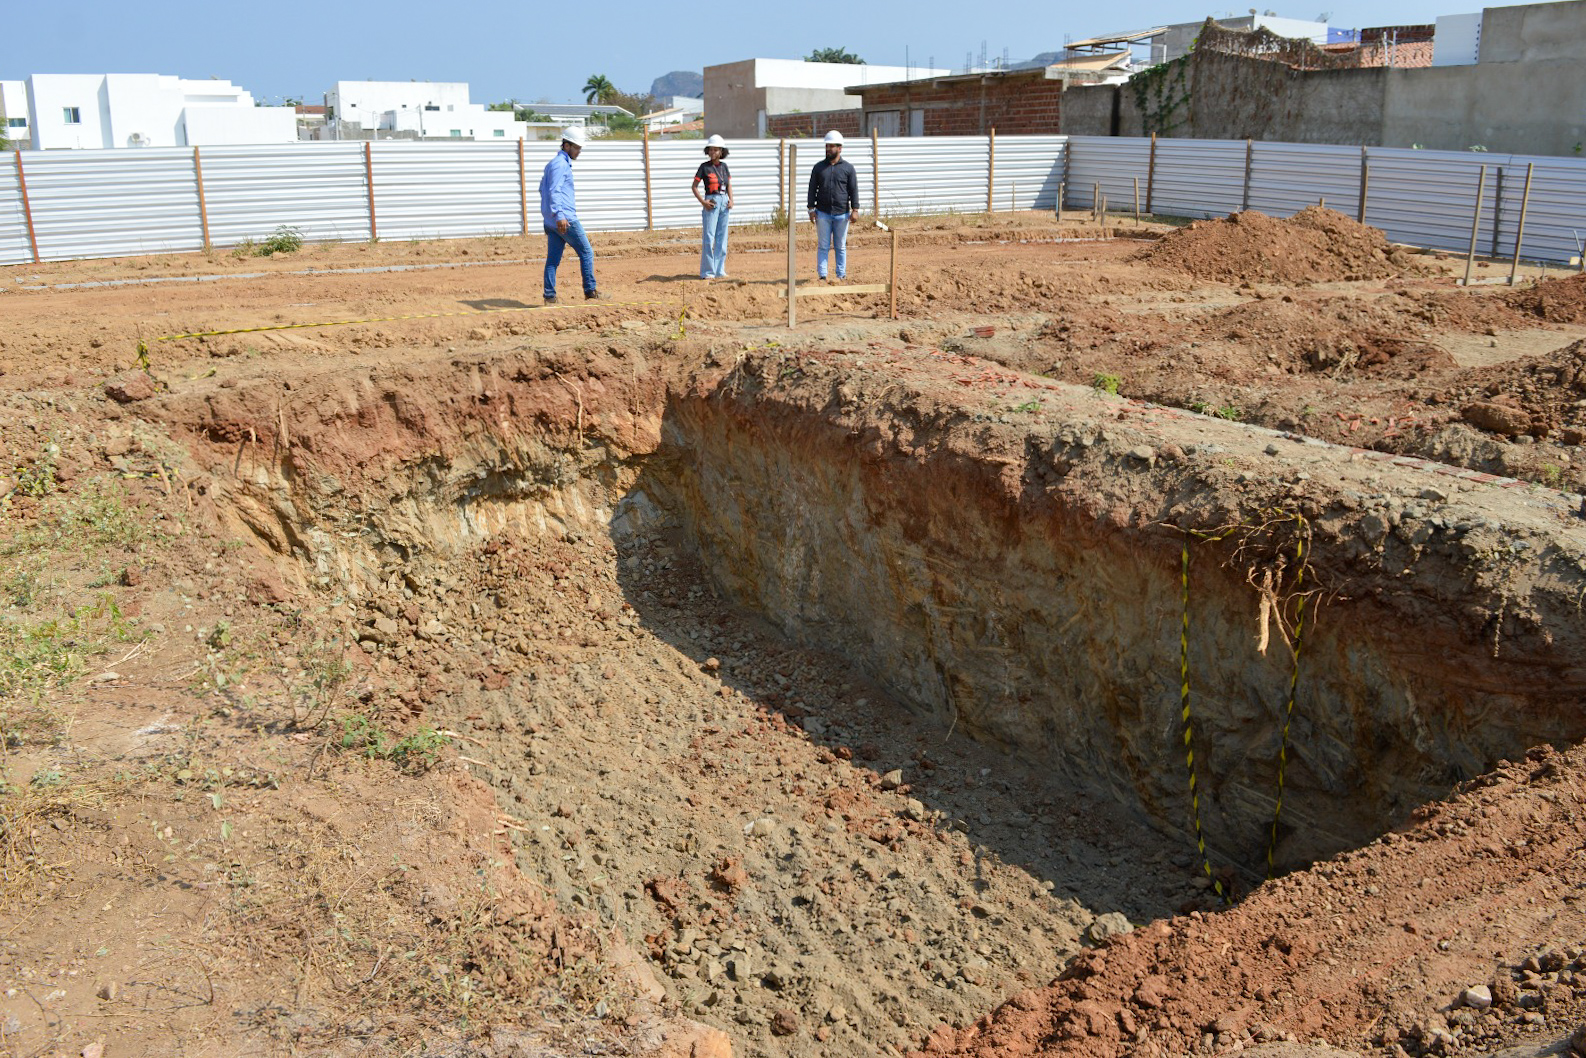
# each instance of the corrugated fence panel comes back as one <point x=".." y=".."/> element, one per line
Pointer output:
<point x="113" y="203"/>
<point x="1557" y="211"/>
<point x="1029" y="168"/>
<point x="1194" y="178"/>
<point x="14" y="248"/>
<point x="1288" y="177"/>
<point x="317" y="188"/>
<point x="100" y="203"/>
<point x="1428" y="197"/>
<point x="937" y="174"/>
<point x="445" y="190"/>
<point x="609" y="180"/>
<point x="1109" y="161"/>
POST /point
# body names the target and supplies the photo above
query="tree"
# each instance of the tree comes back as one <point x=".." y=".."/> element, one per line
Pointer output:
<point x="632" y="102"/>
<point x="598" y="89"/>
<point x="510" y="104"/>
<point x="834" y="55"/>
<point x="530" y="114"/>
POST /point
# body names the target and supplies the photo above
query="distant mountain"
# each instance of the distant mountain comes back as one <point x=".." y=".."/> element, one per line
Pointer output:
<point x="1046" y="58"/>
<point x="687" y="83"/>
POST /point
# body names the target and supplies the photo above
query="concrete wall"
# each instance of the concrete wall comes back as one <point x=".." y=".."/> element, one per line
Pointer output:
<point x="1534" y="32"/>
<point x="1536" y="107"/>
<point x="732" y="99"/>
<point x="213" y="126"/>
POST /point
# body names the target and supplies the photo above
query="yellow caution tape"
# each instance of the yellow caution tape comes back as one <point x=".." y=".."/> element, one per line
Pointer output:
<point x="1189" y="747"/>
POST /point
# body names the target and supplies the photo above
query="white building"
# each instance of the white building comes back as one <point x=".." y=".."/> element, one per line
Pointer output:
<point x="148" y="110"/>
<point x="421" y="110"/>
<point x="739" y="95"/>
<point x="677" y="111"/>
<point x="14" y="105"/>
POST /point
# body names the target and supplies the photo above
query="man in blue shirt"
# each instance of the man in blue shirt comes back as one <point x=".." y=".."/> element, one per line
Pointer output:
<point x="561" y="217"/>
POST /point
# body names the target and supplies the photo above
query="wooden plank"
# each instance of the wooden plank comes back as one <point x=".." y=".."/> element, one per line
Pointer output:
<point x="368" y="173"/>
<point x="203" y="208"/>
<point x="839" y="291"/>
<point x="791" y="294"/>
<point x="523" y="189"/>
<point x="1519" y="235"/>
<point x="27" y="208"/>
<point x="649" y="197"/>
<point x="892" y="284"/>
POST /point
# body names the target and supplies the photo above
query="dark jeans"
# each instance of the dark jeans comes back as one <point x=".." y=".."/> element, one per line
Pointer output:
<point x="556" y="243"/>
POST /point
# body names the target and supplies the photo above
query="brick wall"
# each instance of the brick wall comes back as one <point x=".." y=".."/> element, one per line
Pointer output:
<point x="816" y="123"/>
<point x="1014" y="106"/>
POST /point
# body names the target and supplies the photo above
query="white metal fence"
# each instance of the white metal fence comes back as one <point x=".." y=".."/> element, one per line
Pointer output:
<point x="105" y="203"/>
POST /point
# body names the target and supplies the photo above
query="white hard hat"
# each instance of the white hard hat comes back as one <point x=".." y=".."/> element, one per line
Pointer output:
<point x="834" y="136"/>
<point x="716" y="141"/>
<point x="573" y="134"/>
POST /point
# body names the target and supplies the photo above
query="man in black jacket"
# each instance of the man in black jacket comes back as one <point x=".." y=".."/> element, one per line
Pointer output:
<point x="833" y="202"/>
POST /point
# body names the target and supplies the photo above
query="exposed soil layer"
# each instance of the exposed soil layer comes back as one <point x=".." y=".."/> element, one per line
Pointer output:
<point x="647" y="678"/>
<point x="1316" y="245"/>
<point x="1557" y="301"/>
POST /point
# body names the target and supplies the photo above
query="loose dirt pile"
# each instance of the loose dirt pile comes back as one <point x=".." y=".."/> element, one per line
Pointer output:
<point x="1337" y="953"/>
<point x="1556" y="300"/>
<point x="1534" y="397"/>
<point x="1315" y="245"/>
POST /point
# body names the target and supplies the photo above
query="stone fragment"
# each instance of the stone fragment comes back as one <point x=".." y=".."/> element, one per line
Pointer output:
<point x="784" y="1023"/>
<point x="892" y="779"/>
<point x="1112" y="924"/>
<point x="1499" y="418"/>
<point x="1477" y="997"/>
<point x="130" y="386"/>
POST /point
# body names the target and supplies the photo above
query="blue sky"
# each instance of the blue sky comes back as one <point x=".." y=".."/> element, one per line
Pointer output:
<point x="541" y="51"/>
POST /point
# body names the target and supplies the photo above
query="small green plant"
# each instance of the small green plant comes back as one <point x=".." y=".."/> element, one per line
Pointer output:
<point x="779" y="219"/>
<point x="245" y="248"/>
<point x="284" y="239"/>
<point x="1231" y="412"/>
<point x="415" y="753"/>
<point x="1198" y="407"/>
<point x="37" y="479"/>
<point x="1106" y="383"/>
<point x="1031" y="406"/>
<point x="1552" y="475"/>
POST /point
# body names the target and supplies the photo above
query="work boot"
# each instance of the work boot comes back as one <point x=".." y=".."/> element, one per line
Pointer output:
<point x="551" y="300"/>
<point x="595" y="295"/>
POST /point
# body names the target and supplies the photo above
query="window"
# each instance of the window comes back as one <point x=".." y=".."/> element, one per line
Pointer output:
<point x="431" y="106"/>
<point x="457" y="132"/>
<point x="501" y="132"/>
<point x="72" y="115"/>
<point x="16" y="123"/>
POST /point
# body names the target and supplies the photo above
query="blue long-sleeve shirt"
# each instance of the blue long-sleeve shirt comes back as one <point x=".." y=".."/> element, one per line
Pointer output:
<point x="556" y="191"/>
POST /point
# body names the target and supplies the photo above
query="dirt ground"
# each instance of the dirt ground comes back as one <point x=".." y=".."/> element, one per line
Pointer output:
<point x="555" y="795"/>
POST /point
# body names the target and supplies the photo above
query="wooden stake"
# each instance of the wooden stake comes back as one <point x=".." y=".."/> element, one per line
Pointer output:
<point x="1095" y="203"/>
<point x="649" y="195"/>
<point x="1475" y="223"/>
<point x="792" y="248"/>
<point x="1062" y="189"/>
<point x="1137" y="201"/>
<point x="1250" y="158"/>
<point x="991" y="175"/>
<point x="1150" y="175"/>
<point x="1365" y="178"/>
<point x="892" y="283"/>
<point x="523" y="190"/>
<point x="1497" y="210"/>
<point x="27" y="208"/>
<point x="1321" y="203"/>
<point x="1519" y="236"/>
<point x="875" y="174"/>
<point x="203" y="208"/>
<point x="368" y="174"/>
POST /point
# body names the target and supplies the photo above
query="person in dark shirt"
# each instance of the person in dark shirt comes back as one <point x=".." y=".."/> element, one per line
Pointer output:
<point x="716" y="200"/>
<point x="833" y="202"/>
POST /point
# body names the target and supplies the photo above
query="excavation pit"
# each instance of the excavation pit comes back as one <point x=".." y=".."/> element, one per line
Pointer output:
<point x="853" y="709"/>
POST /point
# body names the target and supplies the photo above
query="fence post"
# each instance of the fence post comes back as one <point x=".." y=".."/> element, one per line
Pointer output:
<point x="781" y="180"/>
<point x="1497" y="208"/>
<point x="27" y="208"/>
<point x="1519" y="235"/>
<point x="1250" y="157"/>
<point x="1365" y="183"/>
<point x="368" y="175"/>
<point x="1062" y="185"/>
<point x="649" y="195"/>
<point x="203" y="207"/>
<point x="892" y="282"/>
<point x="792" y="248"/>
<point x="1137" y="202"/>
<point x="1150" y="176"/>
<point x="1475" y="223"/>
<point x="875" y="173"/>
<point x="523" y="189"/>
<point x="991" y="175"/>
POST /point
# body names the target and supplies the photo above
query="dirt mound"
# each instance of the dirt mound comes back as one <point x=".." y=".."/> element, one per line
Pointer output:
<point x="1537" y="396"/>
<point x="1314" y="245"/>
<point x="1374" y="949"/>
<point x="1556" y="300"/>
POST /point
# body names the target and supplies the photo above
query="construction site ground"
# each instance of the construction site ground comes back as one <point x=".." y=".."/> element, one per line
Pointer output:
<point x="527" y="787"/>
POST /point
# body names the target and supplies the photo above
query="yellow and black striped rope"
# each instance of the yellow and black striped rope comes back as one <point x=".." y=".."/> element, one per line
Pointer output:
<point x="1300" y="559"/>
<point x="1189" y="746"/>
<point x="415" y="316"/>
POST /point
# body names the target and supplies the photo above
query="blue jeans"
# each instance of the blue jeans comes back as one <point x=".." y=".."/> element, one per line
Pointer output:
<point x="713" y="250"/>
<point x="556" y="243"/>
<point x="833" y="230"/>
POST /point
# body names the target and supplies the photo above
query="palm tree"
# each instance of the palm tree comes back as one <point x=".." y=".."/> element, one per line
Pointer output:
<point x="598" y="89"/>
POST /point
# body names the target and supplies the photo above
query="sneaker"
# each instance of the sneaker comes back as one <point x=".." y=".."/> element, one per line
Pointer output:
<point x="595" y="295"/>
<point x="550" y="299"/>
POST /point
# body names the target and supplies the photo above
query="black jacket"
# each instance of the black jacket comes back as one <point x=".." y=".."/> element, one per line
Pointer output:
<point x="833" y="188"/>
